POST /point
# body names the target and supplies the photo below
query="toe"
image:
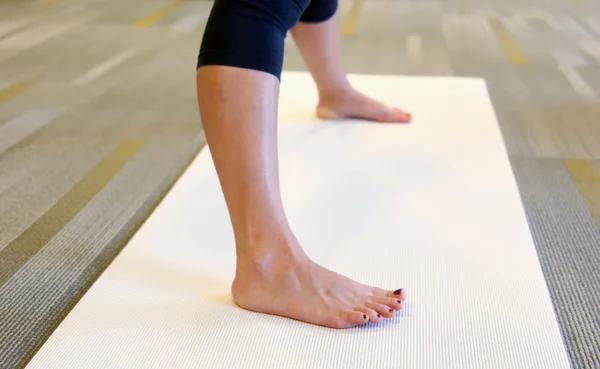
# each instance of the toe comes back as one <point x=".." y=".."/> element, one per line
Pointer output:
<point x="353" y="318"/>
<point x="399" y="294"/>
<point x="386" y="115"/>
<point x="391" y="302"/>
<point x="402" y="116"/>
<point x="392" y="115"/>
<point x="383" y="310"/>
<point x="381" y="113"/>
<point x="372" y="314"/>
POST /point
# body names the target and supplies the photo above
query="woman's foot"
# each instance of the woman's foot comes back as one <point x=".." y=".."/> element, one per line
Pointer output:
<point x="353" y="104"/>
<point x="295" y="287"/>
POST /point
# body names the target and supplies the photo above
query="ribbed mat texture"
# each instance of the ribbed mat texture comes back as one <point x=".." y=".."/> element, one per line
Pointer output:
<point x="429" y="207"/>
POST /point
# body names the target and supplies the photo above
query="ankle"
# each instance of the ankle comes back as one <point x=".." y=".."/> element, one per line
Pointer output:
<point x="269" y="254"/>
<point x="335" y="92"/>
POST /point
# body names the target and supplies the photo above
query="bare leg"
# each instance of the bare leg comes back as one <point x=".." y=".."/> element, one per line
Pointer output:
<point x="239" y="111"/>
<point x="321" y="48"/>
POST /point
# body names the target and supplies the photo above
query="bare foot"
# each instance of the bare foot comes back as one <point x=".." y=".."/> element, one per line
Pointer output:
<point x="353" y="104"/>
<point x="297" y="288"/>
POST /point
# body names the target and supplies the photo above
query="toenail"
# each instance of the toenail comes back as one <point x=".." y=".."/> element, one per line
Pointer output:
<point x="379" y="315"/>
<point x="391" y="310"/>
<point x="398" y="291"/>
<point x="364" y="316"/>
<point x="399" y="301"/>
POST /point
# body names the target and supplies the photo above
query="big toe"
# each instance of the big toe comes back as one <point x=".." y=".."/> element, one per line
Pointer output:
<point x="399" y="294"/>
<point x="397" y="115"/>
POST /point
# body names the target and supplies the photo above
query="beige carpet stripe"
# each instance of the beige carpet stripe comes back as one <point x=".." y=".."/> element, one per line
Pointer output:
<point x="19" y="251"/>
<point x="25" y="124"/>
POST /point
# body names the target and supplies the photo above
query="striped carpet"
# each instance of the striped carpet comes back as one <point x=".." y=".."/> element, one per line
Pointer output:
<point x="98" y="118"/>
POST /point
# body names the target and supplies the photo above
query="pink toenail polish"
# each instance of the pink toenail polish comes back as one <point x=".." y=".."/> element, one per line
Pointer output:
<point x="398" y="291"/>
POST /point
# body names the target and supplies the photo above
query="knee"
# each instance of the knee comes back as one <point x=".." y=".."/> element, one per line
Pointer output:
<point x="249" y="33"/>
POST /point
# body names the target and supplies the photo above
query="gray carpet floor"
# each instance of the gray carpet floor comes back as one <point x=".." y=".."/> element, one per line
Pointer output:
<point x="98" y="118"/>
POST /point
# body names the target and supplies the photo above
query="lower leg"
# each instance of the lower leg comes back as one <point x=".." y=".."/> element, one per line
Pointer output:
<point x="238" y="107"/>
<point x="273" y="275"/>
<point x="321" y="48"/>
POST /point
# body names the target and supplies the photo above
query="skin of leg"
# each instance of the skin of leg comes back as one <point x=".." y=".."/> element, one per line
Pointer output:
<point x="321" y="48"/>
<point x="238" y="108"/>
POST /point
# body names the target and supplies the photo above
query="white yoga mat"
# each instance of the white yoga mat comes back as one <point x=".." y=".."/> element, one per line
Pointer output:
<point x="432" y="207"/>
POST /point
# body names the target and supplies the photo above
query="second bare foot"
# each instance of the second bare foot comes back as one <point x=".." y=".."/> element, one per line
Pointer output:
<point x="353" y="104"/>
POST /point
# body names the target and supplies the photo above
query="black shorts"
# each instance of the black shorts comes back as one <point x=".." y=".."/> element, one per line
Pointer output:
<point x="251" y="33"/>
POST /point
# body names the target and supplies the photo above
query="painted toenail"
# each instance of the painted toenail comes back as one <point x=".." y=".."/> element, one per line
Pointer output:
<point x="391" y="310"/>
<point x="364" y="316"/>
<point x="379" y="315"/>
<point x="398" y="291"/>
<point x="399" y="301"/>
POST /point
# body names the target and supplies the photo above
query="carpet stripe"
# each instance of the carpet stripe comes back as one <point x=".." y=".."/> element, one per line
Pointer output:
<point x="157" y="15"/>
<point x="509" y="45"/>
<point x="7" y="27"/>
<point x="25" y="124"/>
<point x="587" y="179"/>
<point x="351" y="20"/>
<point x="579" y="84"/>
<point x="19" y="251"/>
<point x="567" y="239"/>
<point x="189" y="23"/>
<point x="104" y="67"/>
<point x="14" y="90"/>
